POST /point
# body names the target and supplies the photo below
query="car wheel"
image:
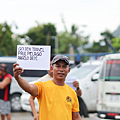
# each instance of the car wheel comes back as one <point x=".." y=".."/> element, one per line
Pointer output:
<point x="15" y="103"/>
<point x="83" y="108"/>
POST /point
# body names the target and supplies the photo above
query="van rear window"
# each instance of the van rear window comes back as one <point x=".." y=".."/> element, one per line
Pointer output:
<point x="113" y="70"/>
<point x="26" y="73"/>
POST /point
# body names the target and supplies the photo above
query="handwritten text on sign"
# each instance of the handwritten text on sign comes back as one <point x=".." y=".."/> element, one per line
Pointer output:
<point x="33" y="56"/>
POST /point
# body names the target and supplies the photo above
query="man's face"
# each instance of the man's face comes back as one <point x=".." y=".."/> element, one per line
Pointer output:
<point x="50" y="71"/>
<point x="60" y="70"/>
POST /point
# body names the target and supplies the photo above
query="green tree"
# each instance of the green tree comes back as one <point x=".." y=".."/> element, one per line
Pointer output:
<point x="65" y="39"/>
<point x="41" y="35"/>
<point x="96" y="48"/>
<point x="7" y="44"/>
<point x="107" y="37"/>
<point x="116" y="44"/>
<point x="72" y="37"/>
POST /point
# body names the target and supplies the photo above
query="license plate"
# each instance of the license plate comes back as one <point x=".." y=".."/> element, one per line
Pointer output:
<point x="114" y="98"/>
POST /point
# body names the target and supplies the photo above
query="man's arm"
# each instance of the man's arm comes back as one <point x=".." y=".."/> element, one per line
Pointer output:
<point x="30" y="88"/>
<point x="78" y="90"/>
<point x="32" y="104"/>
<point x="76" y="116"/>
<point x="5" y="82"/>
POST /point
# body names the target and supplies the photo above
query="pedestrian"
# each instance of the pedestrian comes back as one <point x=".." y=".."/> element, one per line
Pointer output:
<point x="57" y="101"/>
<point x="46" y="77"/>
<point x="79" y="93"/>
<point x="5" y="82"/>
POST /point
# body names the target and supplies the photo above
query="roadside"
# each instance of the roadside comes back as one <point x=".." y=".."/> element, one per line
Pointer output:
<point x="21" y="116"/>
<point x="28" y="116"/>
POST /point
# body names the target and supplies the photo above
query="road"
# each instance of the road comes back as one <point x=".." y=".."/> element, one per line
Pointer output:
<point x="28" y="116"/>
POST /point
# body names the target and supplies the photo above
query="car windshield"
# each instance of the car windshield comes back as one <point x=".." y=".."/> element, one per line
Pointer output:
<point x="112" y="70"/>
<point x="82" y="71"/>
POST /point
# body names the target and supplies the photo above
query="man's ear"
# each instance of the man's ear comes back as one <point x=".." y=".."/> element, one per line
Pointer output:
<point x="69" y="69"/>
<point x="51" y="68"/>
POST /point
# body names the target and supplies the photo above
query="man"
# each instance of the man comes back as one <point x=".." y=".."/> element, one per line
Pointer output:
<point x="47" y="77"/>
<point x="5" y="82"/>
<point x="57" y="100"/>
<point x="79" y="93"/>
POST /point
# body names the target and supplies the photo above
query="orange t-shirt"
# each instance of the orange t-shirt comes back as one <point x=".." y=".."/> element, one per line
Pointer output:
<point x="56" y="102"/>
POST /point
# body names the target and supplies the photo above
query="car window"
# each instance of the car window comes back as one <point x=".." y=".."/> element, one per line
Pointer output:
<point x="82" y="71"/>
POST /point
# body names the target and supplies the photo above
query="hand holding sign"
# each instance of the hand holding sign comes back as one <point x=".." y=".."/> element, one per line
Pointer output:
<point x="69" y="81"/>
<point x="33" y="57"/>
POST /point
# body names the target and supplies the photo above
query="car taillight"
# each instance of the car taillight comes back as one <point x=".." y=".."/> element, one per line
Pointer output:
<point x="112" y="114"/>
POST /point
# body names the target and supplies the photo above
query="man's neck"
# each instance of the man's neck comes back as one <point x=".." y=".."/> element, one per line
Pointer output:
<point x="58" y="82"/>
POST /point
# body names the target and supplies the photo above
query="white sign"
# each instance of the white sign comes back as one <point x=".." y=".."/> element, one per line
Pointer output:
<point x="33" y="57"/>
<point x="69" y="81"/>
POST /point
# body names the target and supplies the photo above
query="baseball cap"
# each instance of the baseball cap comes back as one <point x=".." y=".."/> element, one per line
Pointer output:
<point x="60" y="57"/>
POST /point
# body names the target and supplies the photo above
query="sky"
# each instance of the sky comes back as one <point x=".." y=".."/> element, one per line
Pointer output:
<point x="97" y="15"/>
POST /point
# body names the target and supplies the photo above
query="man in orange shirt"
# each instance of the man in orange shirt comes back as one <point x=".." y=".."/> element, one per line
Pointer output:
<point x="57" y="100"/>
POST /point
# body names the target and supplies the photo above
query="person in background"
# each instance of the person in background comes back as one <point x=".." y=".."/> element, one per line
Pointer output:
<point x="78" y="90"/>
<point x="5" y="82"/>
<point x="46" y="77"/>
<point x="79" y="93"/>
<point x="57" y="101"/>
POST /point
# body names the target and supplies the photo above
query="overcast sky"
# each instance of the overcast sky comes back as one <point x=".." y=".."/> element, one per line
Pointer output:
<point x="97" y="15"/>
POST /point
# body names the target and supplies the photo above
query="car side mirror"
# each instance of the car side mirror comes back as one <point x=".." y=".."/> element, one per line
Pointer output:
<point x="95" y="77"/>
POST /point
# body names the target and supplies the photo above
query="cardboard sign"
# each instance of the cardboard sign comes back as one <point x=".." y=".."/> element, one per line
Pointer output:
<point x="69" y="81"/>
<point x="33" y="57"/>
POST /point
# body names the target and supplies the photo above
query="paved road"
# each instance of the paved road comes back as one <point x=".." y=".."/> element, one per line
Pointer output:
<point x="28" y="116"/>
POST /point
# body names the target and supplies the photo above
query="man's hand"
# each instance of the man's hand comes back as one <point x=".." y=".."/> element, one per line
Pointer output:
<point x="32" y="104"/>
<point x="17" y="70"/>
<point x="76" y="116"/>
<point x="78" y="90"/>
<point x="36" y="116"/>
<point x="76" y="84"/>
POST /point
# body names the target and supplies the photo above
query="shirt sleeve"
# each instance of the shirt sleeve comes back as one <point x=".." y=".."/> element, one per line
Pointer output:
<point x="39" y="86"/>
<point x="75" y="106"/>
<point x="8" y="75"/>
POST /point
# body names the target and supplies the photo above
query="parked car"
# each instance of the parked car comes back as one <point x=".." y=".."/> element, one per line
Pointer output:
<point x="16" y="91"/>
<point x="86" y="74"/>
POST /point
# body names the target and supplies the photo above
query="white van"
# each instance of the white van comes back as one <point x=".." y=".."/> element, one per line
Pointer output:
<point x="16" y="91"/>
<point x="108" y="103"/>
